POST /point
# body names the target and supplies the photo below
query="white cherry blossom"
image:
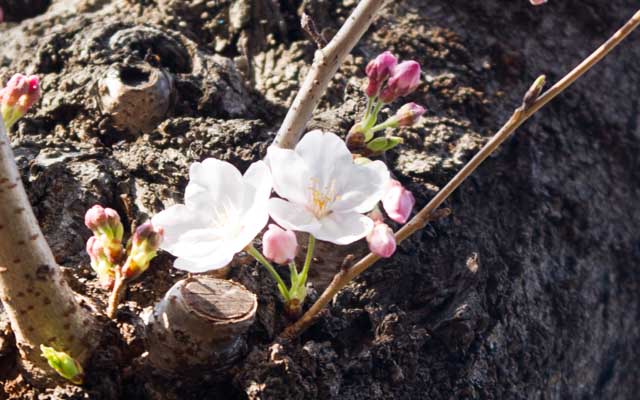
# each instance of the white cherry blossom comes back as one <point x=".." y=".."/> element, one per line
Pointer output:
<point x="323" y="192"/>
<point x="223" y="212"/>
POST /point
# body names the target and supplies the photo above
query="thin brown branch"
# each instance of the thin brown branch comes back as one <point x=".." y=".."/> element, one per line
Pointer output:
<point x="309" y="26"/>
<point x="326" y="63"/>
<point x="519" y="116"/>
<point x="119" y="286"/>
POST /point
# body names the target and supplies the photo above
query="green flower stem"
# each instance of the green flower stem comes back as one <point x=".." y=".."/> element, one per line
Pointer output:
<point x="307" y="261"/>
<point x="258" y="256"/>
<point x="369" y="105"/>
<point x="373" y="116"/>
<point x="390" y="123"/>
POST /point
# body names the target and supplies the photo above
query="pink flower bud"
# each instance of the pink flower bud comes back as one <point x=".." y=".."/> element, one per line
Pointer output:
<point x="31" y="96"/>
<point x="144" y="247"/>
<point x="16" y="98"/>
<point x="404" y="79"/>
<point x="278" y="245"/>
<point x="378" y="70"/>
<point x="381" y="240"/>
<point x="398" y="202"/>
<point x="94" y="248"/>
<point x="538" y="2"/>
<point x="149" y="234"/>
<point x="100" y="262"/>
<point x="409" y="114"/>
<point x="100" y="219"/>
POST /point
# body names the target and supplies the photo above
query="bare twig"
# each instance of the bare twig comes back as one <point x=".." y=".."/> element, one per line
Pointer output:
<point x="326" y="63"/>
<point x="309" y="26"/>
<point x="119" y="286"/>
<point x="519" y="116"/>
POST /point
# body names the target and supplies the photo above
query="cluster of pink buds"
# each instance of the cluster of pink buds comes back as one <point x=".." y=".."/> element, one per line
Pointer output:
<point x="388" y="80"/>
<point x="105" y="246"/>
<point x="398" y="203"/>
<point x="106" y="250"/>
<point x="17" y="97"/>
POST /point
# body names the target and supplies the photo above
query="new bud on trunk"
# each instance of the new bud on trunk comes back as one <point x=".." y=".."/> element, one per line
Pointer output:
<point x="278" y="245"/>
<point x="398" y="202"/>
<point x="65" y="365"/>
<point x="17" y="97"/>
<point x="381" y="240"/>
<point x="378" y="70"/>
<point x="144" y="247"/>
<point x="403" y="81"/>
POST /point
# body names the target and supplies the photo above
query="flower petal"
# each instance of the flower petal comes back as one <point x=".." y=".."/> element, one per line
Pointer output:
<point x="292" y="216"/>
<point x="290" y="174"/>
<point x="325" y="155"/>
<point x="362" y="187"/>
<point x="213" y="182"/>
<point x="213" y="261"/>
<point x="176" y="221"/>
<point x="258" y="176"/>
<point x="343" y="228"/>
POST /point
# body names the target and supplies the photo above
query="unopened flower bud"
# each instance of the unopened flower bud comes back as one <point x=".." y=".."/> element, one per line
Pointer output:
<point x="404" y="80"/>
<point x="106" y="226"/>
<point x="17" y="97"/>
<point x="384" y="143"/>
<point x="381" y="240"/>
<point x="144" y="247"/>
<point x="409" y="114"/>
<point x="356" y="138"/>
<point x="65" y="365"/>
<point x="100" y="262"/>
<point x="398" y="202"/>
<point x="279" y="246"/>
<point x="537" y="2"/>
<point x="378" y="70"/>
<point x="104" y="221"/>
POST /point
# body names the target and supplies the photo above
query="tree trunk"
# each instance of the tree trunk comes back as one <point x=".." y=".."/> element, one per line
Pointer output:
<point x="41" y="306"/>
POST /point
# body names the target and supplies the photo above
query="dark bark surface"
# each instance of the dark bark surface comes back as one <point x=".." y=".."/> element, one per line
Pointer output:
<point x="530" y="290"/>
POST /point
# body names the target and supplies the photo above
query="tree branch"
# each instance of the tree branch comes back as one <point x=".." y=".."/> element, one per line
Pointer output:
<point x="519" y="116"/>
<point x="326" y="63"/>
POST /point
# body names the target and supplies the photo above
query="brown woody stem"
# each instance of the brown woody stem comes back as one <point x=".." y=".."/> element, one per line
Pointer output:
<point x="119" y="286"/>
<point x="326" y="63"/>
<point x="519" y="116"/>
<point x="41" y="307"/>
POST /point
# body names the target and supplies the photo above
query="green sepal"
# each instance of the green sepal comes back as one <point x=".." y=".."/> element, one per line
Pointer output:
<point x="382" y="144"/>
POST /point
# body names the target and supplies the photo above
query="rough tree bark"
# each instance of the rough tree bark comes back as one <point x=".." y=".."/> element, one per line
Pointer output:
<point x="41" y="306"/>
<point x="200" y="323"/>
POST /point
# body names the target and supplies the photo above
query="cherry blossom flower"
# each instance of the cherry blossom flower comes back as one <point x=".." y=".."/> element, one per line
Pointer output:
<point x="223" y="212"/>
<point x="323" y="192"/>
